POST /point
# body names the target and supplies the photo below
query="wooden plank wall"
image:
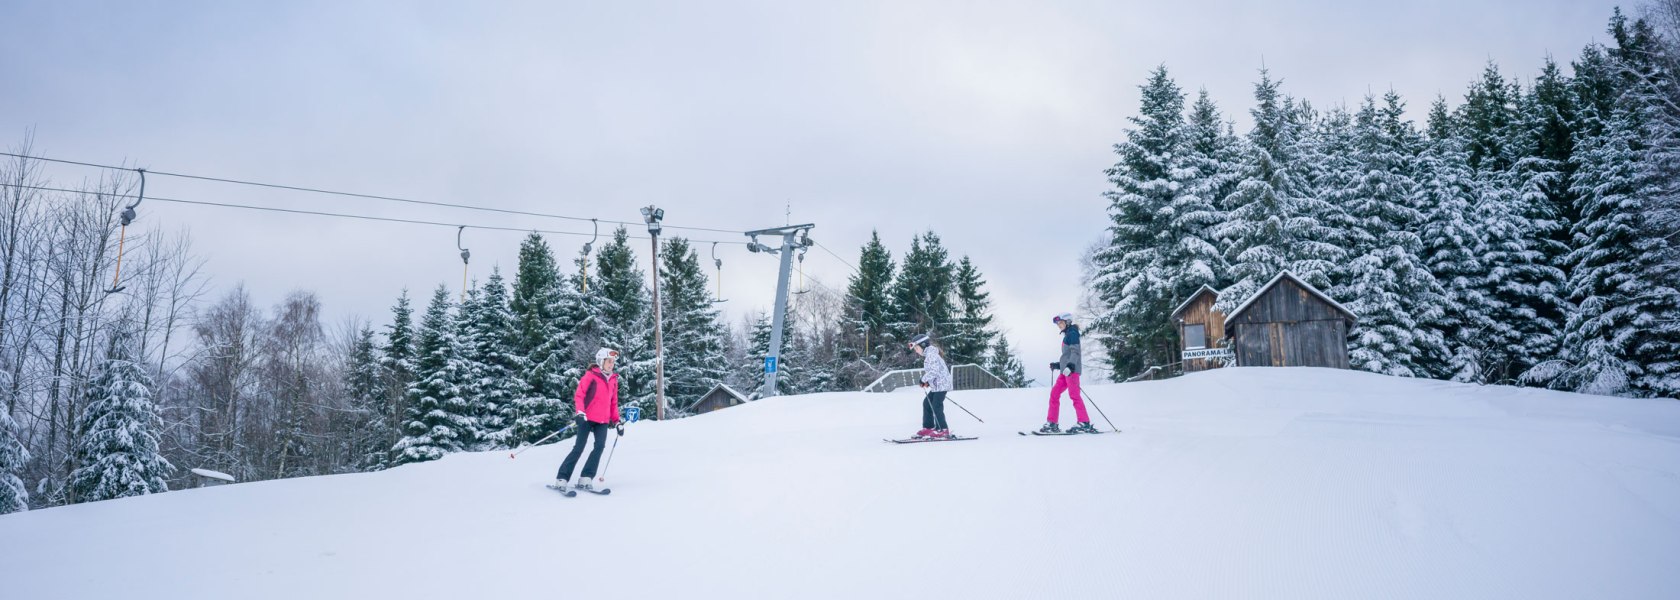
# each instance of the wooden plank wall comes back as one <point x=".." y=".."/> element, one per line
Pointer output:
<point x="1290" y="327"/>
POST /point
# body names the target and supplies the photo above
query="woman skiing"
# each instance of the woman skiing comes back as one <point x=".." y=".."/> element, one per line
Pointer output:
<point x="596" y="402"/>
<point x="936" y="379"/>
<point x="1067" y="378"/>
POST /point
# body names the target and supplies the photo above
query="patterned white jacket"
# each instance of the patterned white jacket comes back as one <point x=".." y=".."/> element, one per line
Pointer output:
<point x="935" y="373"/>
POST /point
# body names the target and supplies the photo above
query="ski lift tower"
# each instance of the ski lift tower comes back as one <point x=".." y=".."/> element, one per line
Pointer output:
<point x="794" y="238"/>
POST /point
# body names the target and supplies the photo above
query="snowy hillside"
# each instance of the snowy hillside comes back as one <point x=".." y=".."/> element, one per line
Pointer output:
<point x="1241" y="483"/>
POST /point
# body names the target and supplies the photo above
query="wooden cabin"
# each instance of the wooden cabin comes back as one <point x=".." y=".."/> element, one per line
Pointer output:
<point x="1200" y="328"/>
<point x="721" y="397"/>
<point x="1288" y="323"/>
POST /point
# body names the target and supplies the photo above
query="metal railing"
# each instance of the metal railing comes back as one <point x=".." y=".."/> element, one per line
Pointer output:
<point x="963" y="377"/>
<point x="1172" y="369"/>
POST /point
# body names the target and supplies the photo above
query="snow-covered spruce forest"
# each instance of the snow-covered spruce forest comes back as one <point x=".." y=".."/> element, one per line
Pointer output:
<point x="1527" y="235"/>
<point x="110" y="395"/>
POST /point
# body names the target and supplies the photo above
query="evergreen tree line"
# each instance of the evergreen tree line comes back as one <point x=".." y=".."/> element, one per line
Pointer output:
<point x="1525" y="236"/>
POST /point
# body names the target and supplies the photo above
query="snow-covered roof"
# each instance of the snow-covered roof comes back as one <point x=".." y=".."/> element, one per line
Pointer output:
<point x="1304" y="285"/>
<point x="212" y="474"/>
<point x="1205" y="290"/>
<point x="728" y="390"/>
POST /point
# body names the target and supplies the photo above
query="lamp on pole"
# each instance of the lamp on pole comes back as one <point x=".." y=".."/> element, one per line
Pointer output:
<point x="654" y="215"/>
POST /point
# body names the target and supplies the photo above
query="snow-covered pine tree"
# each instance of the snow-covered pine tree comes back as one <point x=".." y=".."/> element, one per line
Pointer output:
<point x="1215" y="155"/>
<point x="867" y="310"/>
<point x="472" y="380"/>
<point x="971" y="333"/>
<point x="1542" y="170"/>
<point x="14" y="496"/>
<point x="628" y="321"/>
<point x="1136" y="272"/>
<point x="538" y="335"/>
<point x="116" y="452"/>
<point x="1527" y="211"/>
<point x="1487" y="116"/>
<point x="1003" y="363"/>
<point x="440" y="419"/>
<point x="364" y="383"/>
<point x="1398" y="301"/>
<point x="396" y="362"/>
<point x="694" y="333"/>
<point x="498" y="384"/>
<point x="921" y="294"/>
<point x="1270" y="223"/>
<point x="1454" y="245"/>
<point x="1621" y="337"/>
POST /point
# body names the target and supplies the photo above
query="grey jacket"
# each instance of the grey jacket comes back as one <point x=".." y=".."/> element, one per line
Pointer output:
<point x="1070" y="349"/>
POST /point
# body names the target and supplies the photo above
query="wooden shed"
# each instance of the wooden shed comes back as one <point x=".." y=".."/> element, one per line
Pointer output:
<point x="1288" y="323"/>
<point x="721" y="396"/>
<point x="1200" y="329"/>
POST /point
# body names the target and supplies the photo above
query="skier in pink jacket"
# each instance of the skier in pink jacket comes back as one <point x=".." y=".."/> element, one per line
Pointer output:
<point x="596" y="402"/>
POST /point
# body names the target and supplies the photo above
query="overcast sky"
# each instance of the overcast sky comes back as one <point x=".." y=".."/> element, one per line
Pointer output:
<point x="990" y="123"/>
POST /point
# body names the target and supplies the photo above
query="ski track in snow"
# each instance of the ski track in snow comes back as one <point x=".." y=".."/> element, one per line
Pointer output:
<point x="1238" y="483"/>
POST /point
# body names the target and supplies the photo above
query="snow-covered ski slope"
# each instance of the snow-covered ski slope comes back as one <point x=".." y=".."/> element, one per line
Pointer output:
<point x="1240" y="483"/>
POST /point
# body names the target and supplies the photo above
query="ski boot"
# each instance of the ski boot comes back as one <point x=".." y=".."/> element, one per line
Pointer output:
<point x="1050" y="428"/>
<point x="926" y="432"/>
<point x="561" y="485"/>
<point x="940" y="434"/>
<point x="1083" y="427"/>
<point x="584" y="485"/>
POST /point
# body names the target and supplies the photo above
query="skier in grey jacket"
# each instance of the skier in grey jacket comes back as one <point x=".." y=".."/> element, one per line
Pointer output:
<point x="936" y="379"/>
<point x="1067" y="379"/>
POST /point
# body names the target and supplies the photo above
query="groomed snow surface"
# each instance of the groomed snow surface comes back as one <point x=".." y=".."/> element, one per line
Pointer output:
<point x="1238" y="483"/>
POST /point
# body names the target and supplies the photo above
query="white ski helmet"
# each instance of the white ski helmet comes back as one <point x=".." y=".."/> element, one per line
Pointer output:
<point x="1062" y="318"/>
<point x="604" y="354"/>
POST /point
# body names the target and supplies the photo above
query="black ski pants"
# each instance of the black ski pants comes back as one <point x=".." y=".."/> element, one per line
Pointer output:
<point x="599" y="431"/>
<point x="933" y="411"/>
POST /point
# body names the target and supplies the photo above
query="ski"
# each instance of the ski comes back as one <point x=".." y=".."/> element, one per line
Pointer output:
<point x="566" y="493"/>
<point x="601" y="492"/>
<point x="920" y="440"/>
<point x="1040" y="433"/>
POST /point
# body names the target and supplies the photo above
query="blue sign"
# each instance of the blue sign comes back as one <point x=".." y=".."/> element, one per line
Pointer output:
<point x="769" y="364"/>
<point x="633" y="413"/>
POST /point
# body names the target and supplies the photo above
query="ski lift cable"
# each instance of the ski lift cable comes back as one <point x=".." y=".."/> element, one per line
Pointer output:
<point x="358" y="195"/>
<point x="338" y="215"/>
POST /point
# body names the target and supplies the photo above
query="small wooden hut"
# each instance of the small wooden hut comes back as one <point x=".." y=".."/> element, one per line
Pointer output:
<point x="1288" y="323"/>
<point x="721" y="396"/>
<point x="1200" y="329"/>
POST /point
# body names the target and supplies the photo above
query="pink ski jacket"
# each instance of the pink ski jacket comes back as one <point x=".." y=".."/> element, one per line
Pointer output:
<point x="597" y="396"/>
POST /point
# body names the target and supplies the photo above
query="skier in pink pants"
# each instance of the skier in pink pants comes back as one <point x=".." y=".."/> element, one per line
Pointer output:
<point x="1067" y="378"/>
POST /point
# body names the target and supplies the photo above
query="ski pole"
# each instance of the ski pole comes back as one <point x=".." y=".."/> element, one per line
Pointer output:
<point x="603" y="476"/>
<point x="1093" y="402"/>
<point x="539" y="442"/>
<point x="977" y="418"/>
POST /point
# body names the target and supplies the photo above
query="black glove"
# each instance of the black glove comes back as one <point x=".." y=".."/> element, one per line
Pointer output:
<point x="619" y="425"/>
<point x="580" y="420"/>
<point x="1055" y="366"/>
<point x="1067" y="369"/>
